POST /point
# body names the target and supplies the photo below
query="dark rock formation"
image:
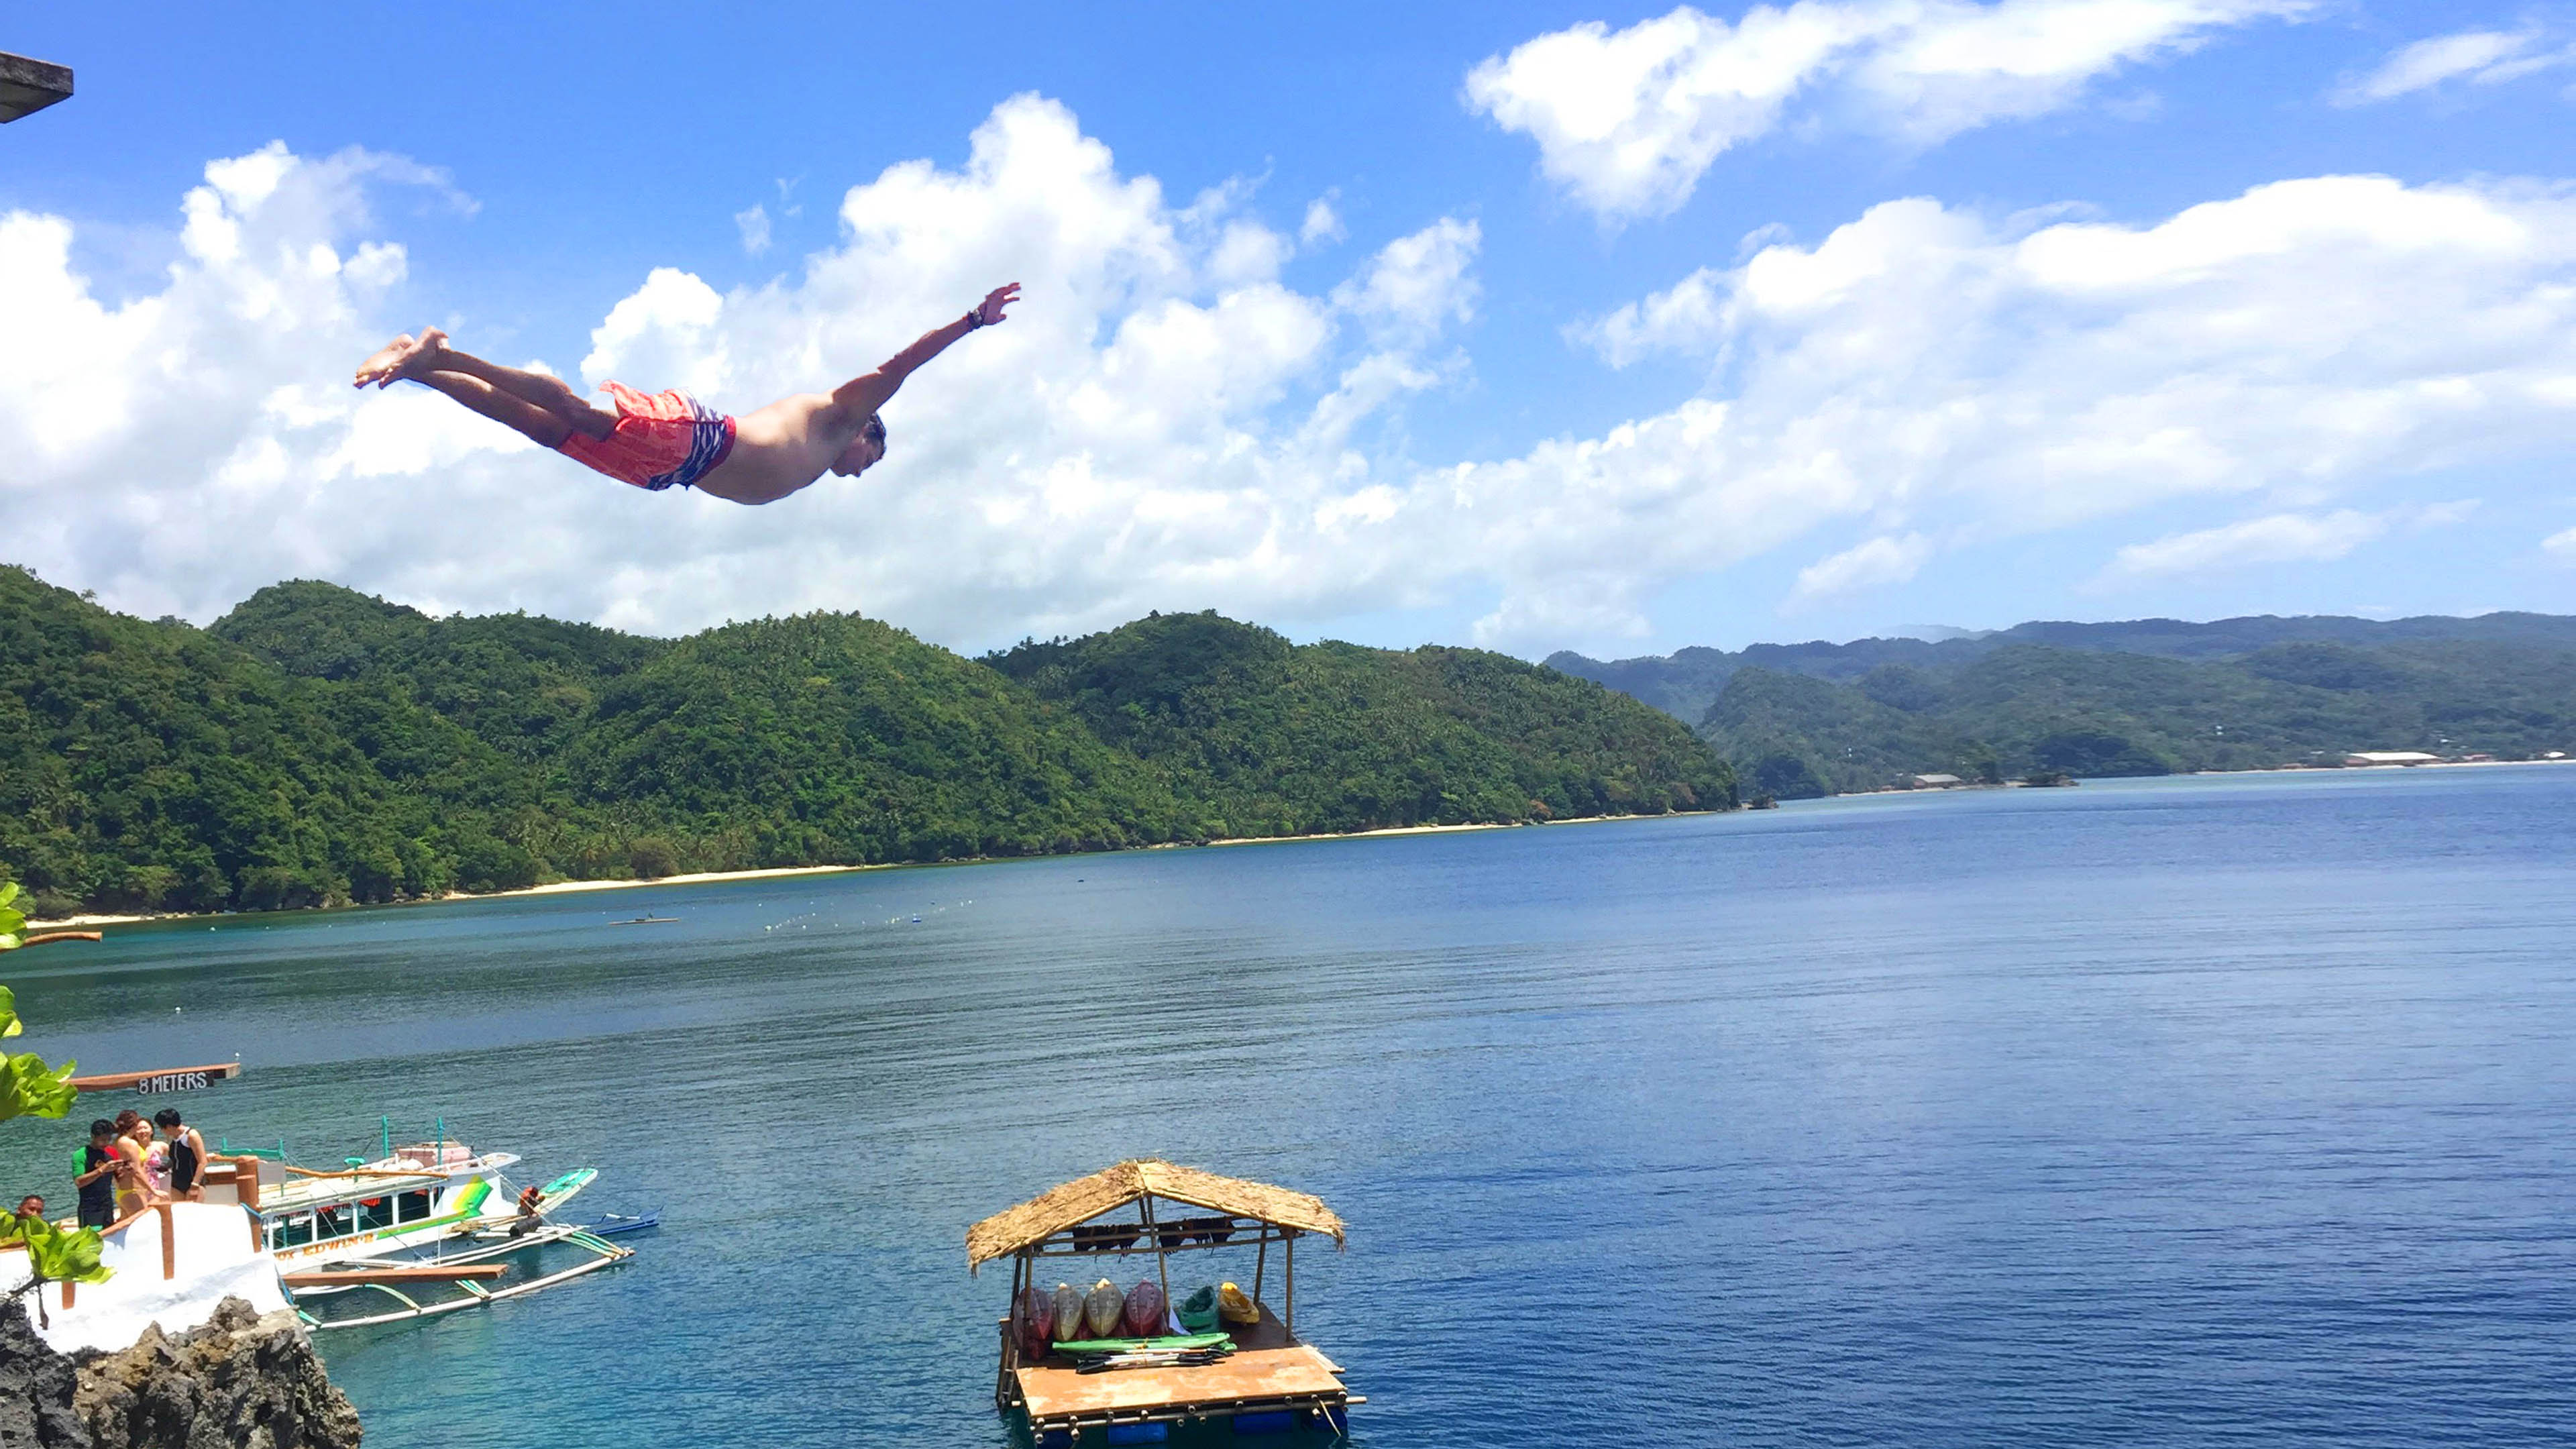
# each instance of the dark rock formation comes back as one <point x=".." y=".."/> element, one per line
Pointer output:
<point x="238" y="1382"/>
<point x="36" y="1386"/>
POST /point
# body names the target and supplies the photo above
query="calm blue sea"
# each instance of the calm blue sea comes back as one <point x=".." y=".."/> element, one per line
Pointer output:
<point x="2191" y="1111"/>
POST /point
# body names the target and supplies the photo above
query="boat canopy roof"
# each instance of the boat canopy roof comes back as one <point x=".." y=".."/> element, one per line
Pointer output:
<point x="308" y="1189"/>
<point x="1085" y="1198"/>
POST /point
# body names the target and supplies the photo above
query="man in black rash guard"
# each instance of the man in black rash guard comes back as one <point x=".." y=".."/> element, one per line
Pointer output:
<point x="187" y="1156"/>
<point x="97" y="1179"/>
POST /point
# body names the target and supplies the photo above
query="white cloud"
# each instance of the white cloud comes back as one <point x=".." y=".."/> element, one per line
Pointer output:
<point x="1421" y="281"/>
<point x="1627" y="121"/>
<point x="1887" y="559"/>
<point x="2274" y="538"/>
<point x="1323" y="225"/>
<point x="2477" y="57"/>
<point x="2437" y="515"/>
<point x="754" y="226"/>
<point x="665" y="330"/>
<point x="1161" y="424"/>
<point x="1927" y="370"/>
<point x="1165" y="424"/>
<point x="2561" y="546"/>
<point x="1676" y="319"/>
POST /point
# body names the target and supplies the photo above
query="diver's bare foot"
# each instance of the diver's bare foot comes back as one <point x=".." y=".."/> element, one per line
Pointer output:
<point x="421" y="358"/>
<point x="375" y="369"/>
<point x="404" y="357"/>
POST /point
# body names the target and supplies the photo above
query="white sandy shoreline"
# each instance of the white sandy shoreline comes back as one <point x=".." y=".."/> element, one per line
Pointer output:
<point x="568" y="887"/>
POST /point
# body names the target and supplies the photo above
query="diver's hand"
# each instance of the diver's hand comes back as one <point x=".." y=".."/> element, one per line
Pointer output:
<point x="989" y="311"/>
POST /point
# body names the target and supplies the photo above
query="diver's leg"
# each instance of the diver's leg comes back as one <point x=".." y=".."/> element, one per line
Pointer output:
<point x="551" y="393"/>
<point x="541" y="425"/>
<point x="419" y="358"/>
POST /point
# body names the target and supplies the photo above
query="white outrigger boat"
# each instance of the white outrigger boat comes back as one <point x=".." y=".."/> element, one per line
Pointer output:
<point x="433" y="1227"/>
<point x="424" y="1229"/>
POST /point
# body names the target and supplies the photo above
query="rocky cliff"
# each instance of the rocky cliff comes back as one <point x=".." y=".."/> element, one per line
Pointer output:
<point x="239" y="1382"/>
<point x="36" y="1388"/>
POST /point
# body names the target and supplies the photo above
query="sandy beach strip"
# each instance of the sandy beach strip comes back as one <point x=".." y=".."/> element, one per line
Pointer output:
<point x="567" y="887"/>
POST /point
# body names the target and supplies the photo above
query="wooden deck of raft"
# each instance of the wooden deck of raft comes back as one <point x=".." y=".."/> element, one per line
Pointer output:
<point x="1266" y="1371"/>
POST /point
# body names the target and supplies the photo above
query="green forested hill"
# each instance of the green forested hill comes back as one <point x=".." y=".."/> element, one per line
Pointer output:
<point x="317" y="745"/>
<point x="1269" y="738"/>
<point x="2025" y="708"/>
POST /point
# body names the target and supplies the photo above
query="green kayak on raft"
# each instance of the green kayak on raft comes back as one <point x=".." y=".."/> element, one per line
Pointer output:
<point x="1132" y="1345"/>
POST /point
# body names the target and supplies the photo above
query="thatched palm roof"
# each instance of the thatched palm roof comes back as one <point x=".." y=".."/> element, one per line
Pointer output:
<point x="1085" y="1198"/>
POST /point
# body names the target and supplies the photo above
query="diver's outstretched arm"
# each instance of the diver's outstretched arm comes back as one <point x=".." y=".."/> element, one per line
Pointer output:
<point x="861" y="396"/>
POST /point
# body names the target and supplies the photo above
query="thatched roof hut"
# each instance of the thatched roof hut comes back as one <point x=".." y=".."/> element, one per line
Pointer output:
<point x="1062" y="1208"/>
<point x="1262" y="1372"/>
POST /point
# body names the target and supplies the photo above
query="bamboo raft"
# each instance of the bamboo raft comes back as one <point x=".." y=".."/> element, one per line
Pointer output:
<point x="1271" y="1380"/>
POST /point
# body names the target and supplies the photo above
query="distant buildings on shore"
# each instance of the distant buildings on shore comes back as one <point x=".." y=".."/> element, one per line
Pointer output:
<point x="2324" y="760"/>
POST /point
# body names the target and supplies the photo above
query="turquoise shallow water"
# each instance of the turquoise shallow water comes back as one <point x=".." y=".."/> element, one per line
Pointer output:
<point x="2194" y="1111"/>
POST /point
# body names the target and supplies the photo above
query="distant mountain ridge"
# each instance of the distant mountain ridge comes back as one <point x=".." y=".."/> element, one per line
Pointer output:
<point x="2132" y="698"/>
<point x="1687" y="681"/>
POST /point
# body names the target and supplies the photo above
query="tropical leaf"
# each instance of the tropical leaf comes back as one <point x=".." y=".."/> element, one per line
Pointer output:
<point x="30" y="1088"/>
<point x="9" y="1013"/>
<point x="56" y="1255"/>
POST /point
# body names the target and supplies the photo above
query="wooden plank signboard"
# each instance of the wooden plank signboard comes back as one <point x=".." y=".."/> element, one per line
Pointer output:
<point x="164" y="1079"/>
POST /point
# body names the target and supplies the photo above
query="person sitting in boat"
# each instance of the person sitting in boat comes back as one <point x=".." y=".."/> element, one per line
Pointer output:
<point x="97" y="1177"/>
<point x="187" y="1155"/>
<point x="531" y="1213"/>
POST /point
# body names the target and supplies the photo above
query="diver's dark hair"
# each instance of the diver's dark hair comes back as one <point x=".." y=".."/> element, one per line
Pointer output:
<point x="874" y="430"/>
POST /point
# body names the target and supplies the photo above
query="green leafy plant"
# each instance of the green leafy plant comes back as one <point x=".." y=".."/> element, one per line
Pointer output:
<point x="31" y="1088"/>
<point x="28" y="1086"/>
<point x="54" y="1256"/>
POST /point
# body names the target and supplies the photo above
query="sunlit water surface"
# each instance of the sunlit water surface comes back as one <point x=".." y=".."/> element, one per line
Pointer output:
<point x="2171" y="1112"/>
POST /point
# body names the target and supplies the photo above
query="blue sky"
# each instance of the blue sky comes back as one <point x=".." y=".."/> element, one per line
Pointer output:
<point x="1536" y="326"/>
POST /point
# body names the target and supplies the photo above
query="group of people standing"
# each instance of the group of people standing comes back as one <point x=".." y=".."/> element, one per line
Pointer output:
<point x="134" y="1161"/>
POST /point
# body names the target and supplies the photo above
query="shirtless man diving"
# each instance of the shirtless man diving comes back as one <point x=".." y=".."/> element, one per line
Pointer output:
<point x="670" y="439"/>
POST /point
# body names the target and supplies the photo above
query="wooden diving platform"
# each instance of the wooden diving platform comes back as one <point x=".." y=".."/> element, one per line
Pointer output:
<point x="160" y="1079"/>
<point x="1267" y="1372"/>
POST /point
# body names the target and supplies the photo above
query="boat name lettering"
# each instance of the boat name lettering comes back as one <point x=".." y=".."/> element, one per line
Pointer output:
<point x="173" y="1082"/>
